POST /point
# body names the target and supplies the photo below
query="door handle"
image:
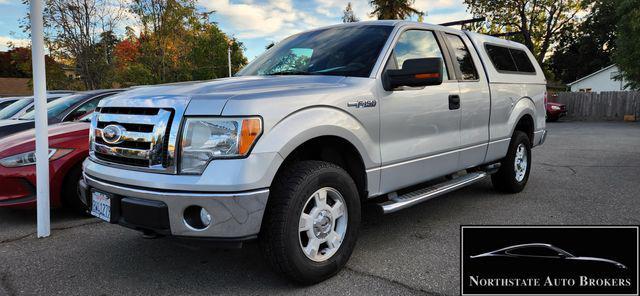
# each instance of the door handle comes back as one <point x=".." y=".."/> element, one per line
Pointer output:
<point x="454" y="102"/>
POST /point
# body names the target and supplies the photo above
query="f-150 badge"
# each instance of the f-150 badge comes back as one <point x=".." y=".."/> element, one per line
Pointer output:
<point x="363" y="104"/>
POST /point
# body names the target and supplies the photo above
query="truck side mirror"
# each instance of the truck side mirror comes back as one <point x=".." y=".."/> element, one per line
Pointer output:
<point x="415" y="73"/>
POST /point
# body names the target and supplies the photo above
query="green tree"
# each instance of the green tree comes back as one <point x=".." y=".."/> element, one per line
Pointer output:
<point x="393" y="9"/>
<point x="348" y="16"/>
<point x="163" y="48"/>
<point x="627" y="54"/>
<point x="585" y="48"/>
<point x="209" y="52"/>
<point x="20" y="58"/>
<point x="539" y="22"/>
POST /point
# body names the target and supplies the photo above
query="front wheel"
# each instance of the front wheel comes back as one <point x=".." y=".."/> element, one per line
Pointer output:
<point x="515" y="167"/>
<point x="311" y="223"/>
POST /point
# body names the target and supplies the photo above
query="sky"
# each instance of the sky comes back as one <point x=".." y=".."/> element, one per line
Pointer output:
<point x="257" y="23"/>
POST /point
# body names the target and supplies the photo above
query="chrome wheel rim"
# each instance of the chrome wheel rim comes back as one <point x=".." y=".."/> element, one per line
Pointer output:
<point x="323" y="224"/>
<point x="520" y="163"/>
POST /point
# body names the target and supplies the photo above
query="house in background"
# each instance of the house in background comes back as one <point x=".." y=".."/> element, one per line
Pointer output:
<point x="601" y="80"/>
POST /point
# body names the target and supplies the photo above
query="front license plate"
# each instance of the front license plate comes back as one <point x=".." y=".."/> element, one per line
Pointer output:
<point x="101" y="205"/>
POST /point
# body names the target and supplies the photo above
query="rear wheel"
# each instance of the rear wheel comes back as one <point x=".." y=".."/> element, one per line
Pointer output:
<point x="515" y="167"/>
<point x="311" y="223"/>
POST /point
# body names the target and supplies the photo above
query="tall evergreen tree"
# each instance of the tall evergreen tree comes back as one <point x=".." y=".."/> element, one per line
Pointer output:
<point x="627" y="54"/>
<point x="393" y="9"/>
<point x="585" y="48"/>
<point x="348" y="16"/>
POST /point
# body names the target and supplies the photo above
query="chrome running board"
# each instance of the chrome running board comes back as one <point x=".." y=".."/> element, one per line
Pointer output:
<point x="398" y="202"/>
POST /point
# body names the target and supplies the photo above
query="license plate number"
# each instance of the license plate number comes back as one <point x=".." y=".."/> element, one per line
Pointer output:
<point x="101" y="205"/>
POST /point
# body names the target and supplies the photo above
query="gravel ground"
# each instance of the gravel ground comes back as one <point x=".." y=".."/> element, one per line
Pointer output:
<point x="586" y="173"/>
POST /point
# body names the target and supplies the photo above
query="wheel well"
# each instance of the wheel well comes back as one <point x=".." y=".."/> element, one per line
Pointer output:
<point x="335" y="150"/>
<point x="525" y="124"/>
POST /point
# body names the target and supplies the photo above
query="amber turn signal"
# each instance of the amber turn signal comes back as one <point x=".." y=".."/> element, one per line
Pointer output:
<point x="427" y="75"/>
<point x="251" y="129"/>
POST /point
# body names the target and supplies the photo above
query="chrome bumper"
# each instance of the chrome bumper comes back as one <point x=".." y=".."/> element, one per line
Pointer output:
<point x="234" y="215"/>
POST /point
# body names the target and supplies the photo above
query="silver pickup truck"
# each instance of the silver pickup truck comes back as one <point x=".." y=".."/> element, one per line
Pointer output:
<point x="389" y="113"/>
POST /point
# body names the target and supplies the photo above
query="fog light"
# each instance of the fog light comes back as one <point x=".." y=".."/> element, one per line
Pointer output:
<point x="197" y="218"/>
<point x="205" y="217"/>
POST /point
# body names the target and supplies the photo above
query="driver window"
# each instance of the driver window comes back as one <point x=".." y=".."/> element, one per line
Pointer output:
<point x="534" y="251"/>
<point x="416" y="44"/>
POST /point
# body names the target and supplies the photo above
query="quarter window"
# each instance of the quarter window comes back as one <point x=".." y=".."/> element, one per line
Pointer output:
<point x="523" y="63"/>
<point x="416" y="44"/>
<point x="463" y="58"/>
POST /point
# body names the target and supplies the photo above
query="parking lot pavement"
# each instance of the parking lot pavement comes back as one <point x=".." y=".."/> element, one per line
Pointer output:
<point x="586" y="173"/>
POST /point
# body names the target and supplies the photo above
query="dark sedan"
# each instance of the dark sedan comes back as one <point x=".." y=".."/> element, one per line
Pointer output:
<point x="69" y="108"/>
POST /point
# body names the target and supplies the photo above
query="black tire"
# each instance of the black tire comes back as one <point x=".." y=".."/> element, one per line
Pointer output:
<point x="280" y="234"/>
<point x="505" y="179"/>
<point x="70" y="197"/>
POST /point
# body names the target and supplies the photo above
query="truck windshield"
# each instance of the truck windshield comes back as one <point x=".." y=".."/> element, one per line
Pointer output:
<point x="341" y="51"/>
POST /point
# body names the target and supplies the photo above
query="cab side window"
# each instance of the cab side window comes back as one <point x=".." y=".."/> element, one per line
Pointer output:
<point x="416" y="44"/>
<point x="463" y="58"/>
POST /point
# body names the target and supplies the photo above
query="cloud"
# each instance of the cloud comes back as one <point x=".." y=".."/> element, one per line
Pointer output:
<point x="273" y="18"/>
<point x="6" y="40"/>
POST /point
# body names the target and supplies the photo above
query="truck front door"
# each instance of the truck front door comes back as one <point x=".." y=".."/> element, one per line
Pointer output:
<point x="419" y="127"/>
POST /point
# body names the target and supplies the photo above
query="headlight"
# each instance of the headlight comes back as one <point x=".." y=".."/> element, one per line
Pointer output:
<point x="205" y="139"/>
<point x="29" y="158"/>
<point x="555" y="108"/>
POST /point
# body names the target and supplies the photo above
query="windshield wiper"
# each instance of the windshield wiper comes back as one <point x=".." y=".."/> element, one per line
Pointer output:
<point x="290" y="73"/>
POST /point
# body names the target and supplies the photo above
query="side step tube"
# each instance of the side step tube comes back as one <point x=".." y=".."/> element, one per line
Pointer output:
<point x="397" y="203"/>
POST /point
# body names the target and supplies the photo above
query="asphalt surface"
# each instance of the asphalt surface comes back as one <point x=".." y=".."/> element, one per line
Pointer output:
<point x="586" y="173"/>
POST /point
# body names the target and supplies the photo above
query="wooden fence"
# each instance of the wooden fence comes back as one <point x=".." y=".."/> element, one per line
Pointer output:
<point x="610" y="105"/>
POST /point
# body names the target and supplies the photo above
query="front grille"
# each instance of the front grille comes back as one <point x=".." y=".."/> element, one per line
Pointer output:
<point x="144" y="136"/>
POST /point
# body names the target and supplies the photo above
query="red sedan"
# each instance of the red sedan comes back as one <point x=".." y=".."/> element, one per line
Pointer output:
<point x="68" y="147"/>
<point x="555" y="111"/>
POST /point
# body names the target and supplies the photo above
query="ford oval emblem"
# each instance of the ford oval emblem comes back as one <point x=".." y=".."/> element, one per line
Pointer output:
<point x="112" y="134"/>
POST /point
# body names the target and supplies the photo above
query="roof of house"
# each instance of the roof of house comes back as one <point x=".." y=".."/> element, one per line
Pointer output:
<point x="592" y="74"/>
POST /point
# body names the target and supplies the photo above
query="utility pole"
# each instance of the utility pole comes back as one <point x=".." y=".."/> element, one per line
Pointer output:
<point x="229" y="58"/>
<point x="42" y="136"/>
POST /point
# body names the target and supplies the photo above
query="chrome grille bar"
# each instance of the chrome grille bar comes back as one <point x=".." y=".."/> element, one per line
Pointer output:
<point x="122" y="152"/>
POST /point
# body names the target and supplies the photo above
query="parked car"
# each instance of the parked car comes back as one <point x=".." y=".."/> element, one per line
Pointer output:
<point x="4" y="102"/>
<point x="555" y="111"/>
<point x="323" y="121"/>
<point x="69" y="144"/>
<point x="68" y="108"/>
<point x="19" y="107"/>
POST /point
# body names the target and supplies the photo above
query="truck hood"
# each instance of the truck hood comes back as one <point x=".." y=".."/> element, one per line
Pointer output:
<point x="58" y="134"/>
<point x="210" y="97"/>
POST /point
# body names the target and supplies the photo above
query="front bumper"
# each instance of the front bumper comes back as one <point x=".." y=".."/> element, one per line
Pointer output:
<point x="234" y="215"/>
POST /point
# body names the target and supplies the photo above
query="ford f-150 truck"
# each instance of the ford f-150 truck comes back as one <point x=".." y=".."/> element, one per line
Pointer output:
<point x="386" y="112"/>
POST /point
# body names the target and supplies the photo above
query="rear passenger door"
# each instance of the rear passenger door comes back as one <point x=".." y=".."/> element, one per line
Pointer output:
<point x="475" y="100"/>
<point x="420" y="131"/>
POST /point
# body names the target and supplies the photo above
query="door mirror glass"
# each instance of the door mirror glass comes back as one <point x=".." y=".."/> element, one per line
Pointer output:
<point x="415" y="73"/>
